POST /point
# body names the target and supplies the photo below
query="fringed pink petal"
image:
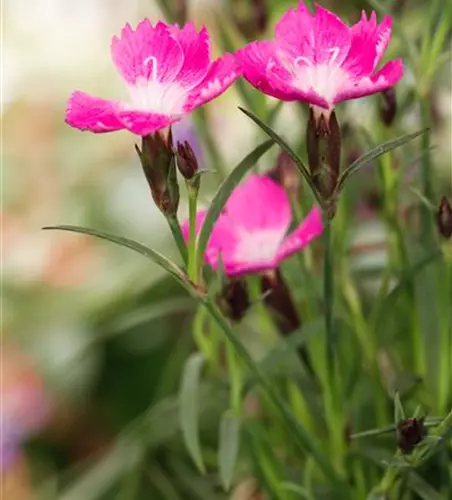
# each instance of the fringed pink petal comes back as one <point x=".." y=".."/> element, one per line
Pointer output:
<point x="311" y="228"/>
<point x="144" y="123"/>
<point x="390" y="74"/>
<point x="196" y="49"/>
<point x="368" y="44"/>
<point x="320" y="38"/>
<point x="221" y="75"/>
<point x="259" y="203"/>
<point x="148" y="53"/>
<point x="91" y="113"/>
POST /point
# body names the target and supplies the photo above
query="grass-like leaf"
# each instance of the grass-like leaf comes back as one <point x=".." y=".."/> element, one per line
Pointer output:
<point x="283" y="144"/>
<point x="399" y="412"/>
<point x="189" y="408"/>
<point x="223" y="194"/>
<point x="375" y="153"/>
<point x="158" y="258"/>
<point x="230" y="426"/>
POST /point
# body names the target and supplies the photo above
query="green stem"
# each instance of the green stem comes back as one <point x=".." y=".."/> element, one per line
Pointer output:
<point x="303" y="438"/>
<point x="445" y="342"/>
<point x="174" y="225"/>
<point x="332" y="405"/>
<point x="192" y="260"/>
<point x="426" y="173"/>
<point x="235" y="379"/>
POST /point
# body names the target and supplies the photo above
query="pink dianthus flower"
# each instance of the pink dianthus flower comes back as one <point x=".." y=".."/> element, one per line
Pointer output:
<point x="168" y="73"/>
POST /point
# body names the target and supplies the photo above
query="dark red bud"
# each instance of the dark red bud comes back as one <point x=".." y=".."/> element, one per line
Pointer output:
<point x="410" y="432"/>
<point x="186" y="160"/>
<point x="251" y="18"/>
<point x="159" y="166"/>
<point x="323" y="142"/>
<point x="444" y="218"/>
<point x="234" y="300"/>
<point x="388" y="106"/>
<point x="286" y="173"/>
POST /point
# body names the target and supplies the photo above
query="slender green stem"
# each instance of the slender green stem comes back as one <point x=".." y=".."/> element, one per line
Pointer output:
<point x="192" y="260"/>
<point x="235" y="379"/>
<point x="426" y="173"/>
<point x="445" y="343"/>
<point x="302" y="437"/>
<point x="174" y="225"/>
<point x="331" y="391"/>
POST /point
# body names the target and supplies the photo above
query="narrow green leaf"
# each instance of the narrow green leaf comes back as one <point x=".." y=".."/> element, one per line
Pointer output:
<point x="399" y="412"/>
<point x="301" y="436"/>
<point x="296" y="488"/>
<point x="223" y="193"/>
<point x="283" y="144"/>
<point x="421" y="488"/>
<point x="405" y="280"/>
<point x="229" y="447"/>
<point x="375" y="153"/>
<point x="156" y="257"/>
<point x="189" y="408"/>
<point x="298" y="338"/>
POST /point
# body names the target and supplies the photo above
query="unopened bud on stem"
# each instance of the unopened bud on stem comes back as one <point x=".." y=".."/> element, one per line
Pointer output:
<point x="159" y="166"/>
<point x="323" y="141"/>
<point x="186" y="160"/>
<point x="444" y="218"/>
<point x="287" y="174"/>
<point x="388" y="106"/>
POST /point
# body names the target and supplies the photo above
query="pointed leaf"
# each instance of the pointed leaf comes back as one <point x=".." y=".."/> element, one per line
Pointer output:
<point x="399" y="412"/>
<point x="375" y="153"/>
<point x="223" y="194"/>
<point x="156" y="257"/>
<point x="421" y="488"/>
<point x="283" y="144"/>
<point x="229" y="447"/>
<point x="296" y="488"/>
<point x="189" y="407"/>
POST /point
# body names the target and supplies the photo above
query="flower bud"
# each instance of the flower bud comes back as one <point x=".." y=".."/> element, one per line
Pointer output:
<point x="186" y="160"/>
<point x="159" y="166"/>
<point x="251" y="18"/>
<point x="388" y="106"/>
<point x="323" y="141"/>
<point x="234" y="301"/>
<point x="278" y="299"/>
<point x="410" y="432"/>
<point x="444" y="218"/>
<point x="287" y="174"/>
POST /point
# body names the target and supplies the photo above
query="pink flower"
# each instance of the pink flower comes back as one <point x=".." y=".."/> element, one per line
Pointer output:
<point x="251" y="233"/>
<point x="318" y="59"/>
<point x="168" y="73"/>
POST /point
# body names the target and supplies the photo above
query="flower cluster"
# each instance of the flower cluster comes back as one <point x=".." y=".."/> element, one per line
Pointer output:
<point x="168" y="72"/>
<point x="314" y="58"/>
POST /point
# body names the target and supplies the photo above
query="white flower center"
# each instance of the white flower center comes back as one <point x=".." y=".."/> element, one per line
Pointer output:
<point x="324" y="79"/>
<point x="258" y="246"/>
<point x="156" y="97"/>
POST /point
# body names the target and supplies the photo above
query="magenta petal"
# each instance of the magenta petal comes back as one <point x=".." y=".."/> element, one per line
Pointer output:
<point x="144" y="123"/>
<point x="263" y="68"/>
<point x="369" y="42"/>
<point x="385" y="78"/>
<point x="308" y="230"/>
<point x="196" y="50"/>
<point x="91" y="113"/>
<point x="259" y="203"/>
<point x="149" y="52"/>
<point x="319" y="38"/>
<point x="222" y="74"/>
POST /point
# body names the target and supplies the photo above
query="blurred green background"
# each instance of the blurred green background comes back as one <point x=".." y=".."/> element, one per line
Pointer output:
<point x="95" y="337"/>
